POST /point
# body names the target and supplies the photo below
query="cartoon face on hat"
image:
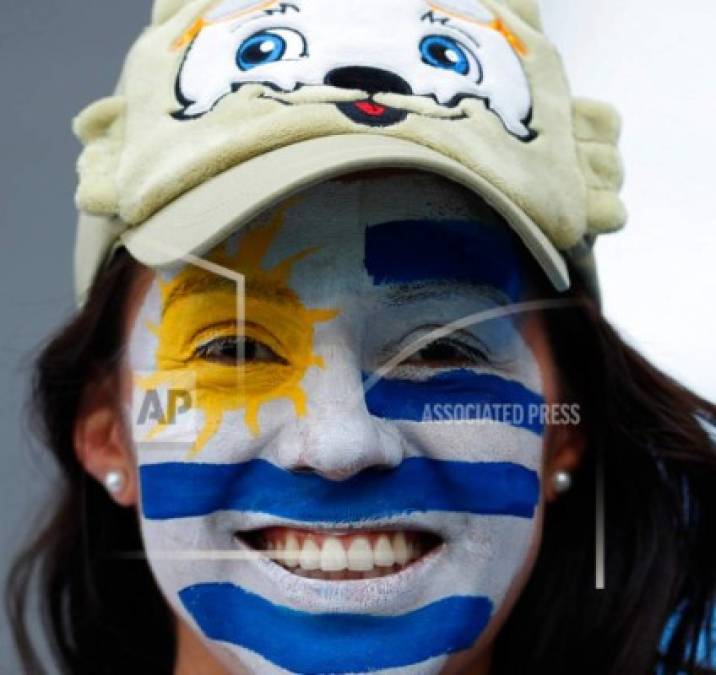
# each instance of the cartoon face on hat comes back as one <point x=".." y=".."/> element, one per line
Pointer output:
<point x="445" y="51"/>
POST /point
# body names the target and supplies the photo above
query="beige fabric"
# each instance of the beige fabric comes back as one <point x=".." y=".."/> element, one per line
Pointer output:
<point x="239" y="194"/>
<point x="165" y="10"/>
<point x="596" y="130"/>
<point x="527" y="10"/>
<point x="138" y="158"/>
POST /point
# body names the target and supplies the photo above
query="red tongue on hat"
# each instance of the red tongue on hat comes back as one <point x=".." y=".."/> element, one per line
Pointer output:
<point x="370" y="108"/>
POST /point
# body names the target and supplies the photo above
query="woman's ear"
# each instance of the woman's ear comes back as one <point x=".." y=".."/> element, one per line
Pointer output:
<point x="564" y="445"/>
<point x="101" y="442"/>
<point x="564" y="437"/>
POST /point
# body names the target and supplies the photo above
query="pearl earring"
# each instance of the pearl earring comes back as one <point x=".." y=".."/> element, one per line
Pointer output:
<point x="561" y="482"/>
<point x="115" y="481"/>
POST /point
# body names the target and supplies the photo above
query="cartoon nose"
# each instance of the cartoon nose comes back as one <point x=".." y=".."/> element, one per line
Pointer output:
<point x="372" y="80"/>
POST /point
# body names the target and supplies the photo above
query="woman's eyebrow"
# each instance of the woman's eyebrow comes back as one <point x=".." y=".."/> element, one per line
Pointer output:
<point x="213" y="283"/>
<point x="405" y="294"/>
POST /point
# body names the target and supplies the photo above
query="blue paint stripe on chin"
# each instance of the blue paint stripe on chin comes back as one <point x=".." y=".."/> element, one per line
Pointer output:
<point x="417" y="484"/>
<point x="304" y="642"/>
<point x="489" y="397"/>
<point x="458" y="250"/>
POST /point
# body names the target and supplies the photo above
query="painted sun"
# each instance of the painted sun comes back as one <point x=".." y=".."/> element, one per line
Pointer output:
<point x="200" y="310"/>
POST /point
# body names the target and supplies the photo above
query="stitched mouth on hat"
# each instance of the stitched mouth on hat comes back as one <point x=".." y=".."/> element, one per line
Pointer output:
<point x="371" y="113"/>
<point x="373" y="81"/>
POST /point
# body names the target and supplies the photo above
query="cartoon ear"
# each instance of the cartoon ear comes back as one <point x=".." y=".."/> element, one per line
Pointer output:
<point x="597" y="127"/>
<point x="218" y="11"/>
<point x="467" y="8"/>
<point x="100" y="128"/>
<point x="527" y="10"/>
<point x="165" y="9"/>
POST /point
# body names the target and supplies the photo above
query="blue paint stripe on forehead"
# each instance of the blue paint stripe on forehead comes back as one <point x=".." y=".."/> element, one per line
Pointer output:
<point x="444" y="250"/>
<point x="304" y="642"/>
<point x="480" y="396"/>
<point x="417" y="484"/>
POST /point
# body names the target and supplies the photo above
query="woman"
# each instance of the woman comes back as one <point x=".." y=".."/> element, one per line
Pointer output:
<point x="361" y="429"/>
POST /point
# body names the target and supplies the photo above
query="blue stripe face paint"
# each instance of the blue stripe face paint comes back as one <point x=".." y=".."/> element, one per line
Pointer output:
<point x="335" y="642"/>
<point x="417" y="484"/>
<point x="484" y="392"/>
<point x="354" y="438"/>
<point x="456" y="250"/>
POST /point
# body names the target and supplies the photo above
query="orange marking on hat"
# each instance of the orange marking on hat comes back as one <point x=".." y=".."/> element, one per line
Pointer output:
<point x="190" y="33"/>
<point x="518" y="45"/>
<point x="497" y="25"/>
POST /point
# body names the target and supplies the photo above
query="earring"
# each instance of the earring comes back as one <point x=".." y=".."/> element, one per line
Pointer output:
<point x="561" y="482"/>
<point x="115" y="481"/>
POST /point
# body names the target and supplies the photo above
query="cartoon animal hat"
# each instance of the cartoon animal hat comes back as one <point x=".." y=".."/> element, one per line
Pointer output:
<point x="225" y="108"/>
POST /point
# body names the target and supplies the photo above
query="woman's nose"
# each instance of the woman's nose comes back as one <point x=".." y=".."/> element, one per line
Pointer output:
<point x="338" y="437"/>
<point x="340" y="443"/>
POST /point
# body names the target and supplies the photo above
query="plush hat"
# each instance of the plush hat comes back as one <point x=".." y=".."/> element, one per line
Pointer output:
<point x="225" y="108"/>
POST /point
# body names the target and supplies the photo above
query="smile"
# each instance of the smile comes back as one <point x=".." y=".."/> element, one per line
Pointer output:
<point x="341" y="555"/>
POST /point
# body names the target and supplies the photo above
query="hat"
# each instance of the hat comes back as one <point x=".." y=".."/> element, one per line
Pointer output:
<point x="225" y="108"/>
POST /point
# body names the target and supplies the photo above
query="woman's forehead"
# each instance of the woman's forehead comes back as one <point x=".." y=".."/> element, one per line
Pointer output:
<point x="391" y="226"/>
<point x="405" y="239"/>
<point x="342" y="209"/>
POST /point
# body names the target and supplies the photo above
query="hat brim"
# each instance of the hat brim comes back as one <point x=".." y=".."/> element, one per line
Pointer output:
<point x="201" y="218"/>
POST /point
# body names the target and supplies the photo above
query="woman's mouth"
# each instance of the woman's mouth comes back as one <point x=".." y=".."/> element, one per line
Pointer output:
<point x="334" y="555"/>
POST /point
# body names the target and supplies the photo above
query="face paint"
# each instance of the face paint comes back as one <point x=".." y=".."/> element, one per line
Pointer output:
<point x="349" y="371"/>
<point x="279" y="322"/>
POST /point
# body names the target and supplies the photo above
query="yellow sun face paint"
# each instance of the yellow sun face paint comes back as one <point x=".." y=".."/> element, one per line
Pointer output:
<point x="199" y="307"/>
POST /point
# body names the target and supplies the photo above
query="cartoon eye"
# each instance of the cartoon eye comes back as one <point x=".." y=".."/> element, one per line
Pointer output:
<point x="444" y="52"/>
<point x="269" y="46"/>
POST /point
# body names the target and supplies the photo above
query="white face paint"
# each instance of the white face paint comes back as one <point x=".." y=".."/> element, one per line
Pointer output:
<point x="447" y="51"/>
<point x="343" y="377"/>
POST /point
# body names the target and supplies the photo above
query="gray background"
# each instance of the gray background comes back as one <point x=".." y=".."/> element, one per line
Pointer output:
<point x="657" y="276"/>
<point x="55" y="57"/>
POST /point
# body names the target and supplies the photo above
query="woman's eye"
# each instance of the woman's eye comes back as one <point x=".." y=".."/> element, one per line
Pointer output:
<point x="444" y="52"/>
<point x="448" y="353"/>
<point x="270" y="46"/>
<point x="235" y="350"/>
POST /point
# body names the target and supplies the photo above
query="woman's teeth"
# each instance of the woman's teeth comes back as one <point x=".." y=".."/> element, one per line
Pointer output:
<point x="333" y="556"/>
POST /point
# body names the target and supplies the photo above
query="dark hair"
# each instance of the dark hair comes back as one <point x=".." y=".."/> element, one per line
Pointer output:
<point x="103" y="613"/>
<point x="658" y="466"/>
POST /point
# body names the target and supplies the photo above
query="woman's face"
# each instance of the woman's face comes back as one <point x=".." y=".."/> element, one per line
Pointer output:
<point x="348" y="477"/>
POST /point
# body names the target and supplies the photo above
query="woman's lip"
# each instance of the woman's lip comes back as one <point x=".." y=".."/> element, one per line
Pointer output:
<point x="352" y="554"/>
<point x="436" y="525"/>
<point x="339" y="532"/>
<point x="428" y="579"/>
<point x="399" y="577"/>
<point x="394" y="592"/>
<point x="250" y="522"/>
